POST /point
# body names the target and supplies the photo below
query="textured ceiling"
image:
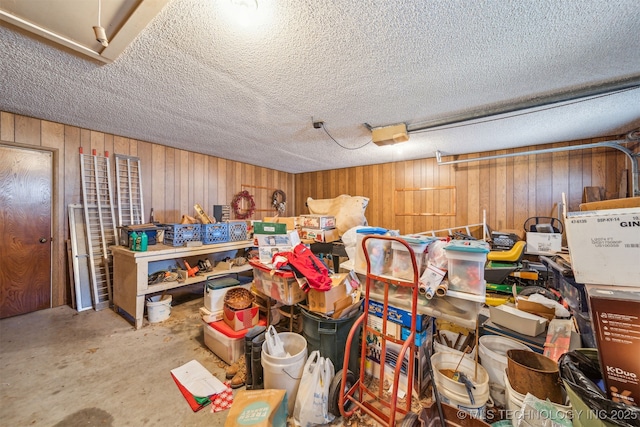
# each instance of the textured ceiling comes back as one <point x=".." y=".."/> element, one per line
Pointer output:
<point x="196" y="79"/>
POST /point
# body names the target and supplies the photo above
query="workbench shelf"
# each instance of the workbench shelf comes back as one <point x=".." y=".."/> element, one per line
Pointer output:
<point x="131" y="272"/>
<point x="159" y="287"/>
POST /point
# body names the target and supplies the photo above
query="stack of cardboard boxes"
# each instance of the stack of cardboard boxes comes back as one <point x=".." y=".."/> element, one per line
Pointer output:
<point x="319" y="228"/>
<point x="604" y="244"/>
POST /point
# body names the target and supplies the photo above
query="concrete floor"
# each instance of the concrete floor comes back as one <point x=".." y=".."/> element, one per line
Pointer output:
<point x="59" y="367"/>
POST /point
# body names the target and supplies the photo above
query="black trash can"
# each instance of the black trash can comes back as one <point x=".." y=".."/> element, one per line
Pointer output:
<point x="329" y="337"/>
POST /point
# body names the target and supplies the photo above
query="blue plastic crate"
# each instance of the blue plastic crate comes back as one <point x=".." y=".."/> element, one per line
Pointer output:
<point x="179" y="234"/>
<point x="238" y="231"/>
<point x="215" y="233"/>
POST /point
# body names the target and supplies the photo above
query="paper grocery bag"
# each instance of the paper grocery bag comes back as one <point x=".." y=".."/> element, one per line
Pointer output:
<point x="258" y="408"/>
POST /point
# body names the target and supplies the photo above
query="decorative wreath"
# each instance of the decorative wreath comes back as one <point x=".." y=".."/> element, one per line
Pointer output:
<point x="279" y="201"/>
<point x="235" y="205"/>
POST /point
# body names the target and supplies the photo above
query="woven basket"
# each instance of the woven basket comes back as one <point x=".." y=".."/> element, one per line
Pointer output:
<point x="238" y="298"/>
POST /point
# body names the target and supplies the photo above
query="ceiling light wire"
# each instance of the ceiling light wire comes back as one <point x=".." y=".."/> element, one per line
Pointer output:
<point x="340" y="145"/>
<point x="101" y="35"/>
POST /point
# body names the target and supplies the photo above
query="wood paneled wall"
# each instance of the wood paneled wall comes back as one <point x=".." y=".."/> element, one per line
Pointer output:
<point x="510" y="190"/>
<point x="173" y="180"/>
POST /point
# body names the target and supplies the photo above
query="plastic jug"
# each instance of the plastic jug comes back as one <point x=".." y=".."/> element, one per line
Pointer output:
<point x="144" y="241"/>
<point x="133" y="238"/>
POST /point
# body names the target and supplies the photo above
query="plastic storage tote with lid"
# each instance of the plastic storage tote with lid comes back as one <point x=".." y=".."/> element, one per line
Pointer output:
<point x="379" y="251"/>
<point x="401" y="259"/>
<point x="226" y="343"/>
<point x="466" y="259"/>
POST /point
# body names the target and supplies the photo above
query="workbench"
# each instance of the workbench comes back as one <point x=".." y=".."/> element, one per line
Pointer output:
<point x="131" y="272"/>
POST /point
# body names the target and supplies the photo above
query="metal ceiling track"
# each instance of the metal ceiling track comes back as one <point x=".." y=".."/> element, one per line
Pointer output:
<point x="633" y="157"/>
<point x="609" y="88"/>
<point x="100" y="224"/>
<point x="129" y="186"/>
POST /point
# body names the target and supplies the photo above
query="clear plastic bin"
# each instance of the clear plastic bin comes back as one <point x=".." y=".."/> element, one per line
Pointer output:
<point x="466" y="266"/>
<point x="401" y="266"/>
<point x="380" y="255"/>
<point x="462" y="312"/>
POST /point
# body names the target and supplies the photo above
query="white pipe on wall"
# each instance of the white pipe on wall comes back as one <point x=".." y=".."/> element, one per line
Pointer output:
<point x="611" y="144"/>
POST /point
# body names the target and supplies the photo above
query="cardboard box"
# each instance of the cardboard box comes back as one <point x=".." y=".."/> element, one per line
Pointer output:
<point x="543" y="243"/>
<point x="534" y="343"/>
<point x="265" y="253"/>
<point x="320" y="235"/>
<point x="398" y="315"/>
<point x="264" y="240"/>
<point x="317" y="221"/>
<point x="323" y="302"/>
<point x="616" y="322"/>
<point x="523" y="303"/>
<point x="269" y="228"/>
<point x="278" y="284"/>
<point x="270" y="244"/>
<point x="629" y="202"/>
<point x="241" y="319"/>
<point x="605" y="246"/>
<point x="517" y="320"/>
<point x="399" y="332"/>
<point x="209" y="316"/>
<point x="422" y="373"/>
<point x="291" y="222"/>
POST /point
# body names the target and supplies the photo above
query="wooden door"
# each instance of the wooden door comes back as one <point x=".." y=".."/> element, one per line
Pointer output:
<point x="26" y="182"/>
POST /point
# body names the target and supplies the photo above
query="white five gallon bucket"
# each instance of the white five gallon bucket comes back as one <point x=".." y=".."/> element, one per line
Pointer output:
<point x="157" y="309"/>
<point x="455" y="393"/>
<point x="493" y="357"/>
<point x="284" y="373"/>
<point x="515" y="401"/>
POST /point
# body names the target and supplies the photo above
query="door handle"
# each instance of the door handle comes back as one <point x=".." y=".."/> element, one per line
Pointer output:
<point x="43" y="240"/>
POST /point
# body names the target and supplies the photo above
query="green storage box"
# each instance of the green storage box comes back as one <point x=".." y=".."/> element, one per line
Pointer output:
<point x="269" y="228"/>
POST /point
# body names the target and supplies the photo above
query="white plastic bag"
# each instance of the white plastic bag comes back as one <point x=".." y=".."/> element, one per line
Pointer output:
<point x="312" y="399"/>
<point x="275" y="347"/>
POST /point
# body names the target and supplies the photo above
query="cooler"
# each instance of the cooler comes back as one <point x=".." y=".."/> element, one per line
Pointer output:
<point x="226" y="343"/>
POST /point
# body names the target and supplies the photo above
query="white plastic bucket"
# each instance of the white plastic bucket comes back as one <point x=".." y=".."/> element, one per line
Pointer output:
<point x="515" y="401"/>
<point x="284" y="373"/>
<point x="493" y="357"/>
<point x="157" y="309"/>
<point x="437" y="347"/>
<point x="455" y="393"/>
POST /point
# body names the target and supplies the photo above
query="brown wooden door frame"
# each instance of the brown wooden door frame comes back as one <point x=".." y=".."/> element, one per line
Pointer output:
<point x="42" y="295"/>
